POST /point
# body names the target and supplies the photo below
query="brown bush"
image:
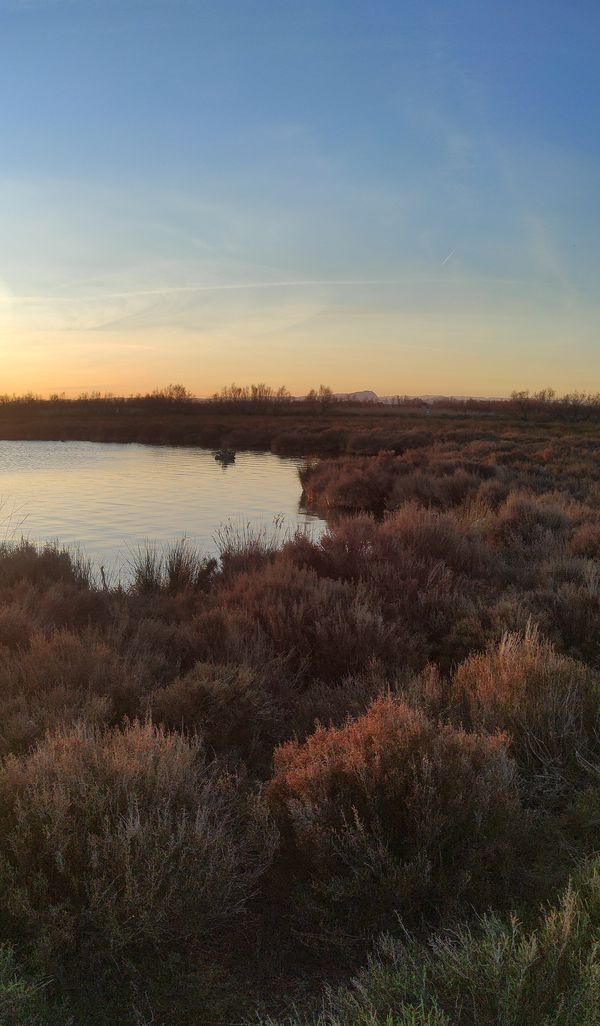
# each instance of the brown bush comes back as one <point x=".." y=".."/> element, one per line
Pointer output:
<point x="228" y="705"/>
<point x="57" y="680"/>
<point x="586" y="541"/>
<point x="548" y="703"/>
<point x="393" y="812"/>
<point x="45" y="564"/>
<point x="443" y="491"/>
<point x="15" y="627"/>
<point x="400" y="564"/>
<point x="328" y="627"/>
<point x="116" y="847"/>
<point x="369" y="443"/>
<point x="387" y="480"/>
<point x="529" y="520"/>
<point x="439" y="536"/>
<point x="350" y="483"/>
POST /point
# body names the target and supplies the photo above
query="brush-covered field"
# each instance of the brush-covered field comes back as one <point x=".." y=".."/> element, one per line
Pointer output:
<point x="353" y="782"/>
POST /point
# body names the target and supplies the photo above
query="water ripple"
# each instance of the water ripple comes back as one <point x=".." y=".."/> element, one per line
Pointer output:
<point x="109" y="498"/>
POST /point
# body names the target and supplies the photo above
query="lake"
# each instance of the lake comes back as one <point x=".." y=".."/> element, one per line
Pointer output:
<point x="108" y="499"/>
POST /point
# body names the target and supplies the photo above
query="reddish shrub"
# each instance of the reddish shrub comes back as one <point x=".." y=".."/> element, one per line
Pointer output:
<point x="443" y="491"/>
<point x="394" y="812"/>
<point x="438" y="536"/>
<point x="549" y="704"/>
<point x="354" y="484"/>
<point x="71" y="606"/>
<point x="528" y="520"/>
<point x="329" y="627"/>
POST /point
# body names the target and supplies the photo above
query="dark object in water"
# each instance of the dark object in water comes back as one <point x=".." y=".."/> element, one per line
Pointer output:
<point x="225" y="455"/>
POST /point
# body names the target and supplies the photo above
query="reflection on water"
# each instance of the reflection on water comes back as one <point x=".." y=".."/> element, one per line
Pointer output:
<point x="110" y="498"/>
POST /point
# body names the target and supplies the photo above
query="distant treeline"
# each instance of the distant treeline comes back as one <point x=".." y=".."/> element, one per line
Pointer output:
<point x="260" y="418"/>
<point x="544" y="404"/>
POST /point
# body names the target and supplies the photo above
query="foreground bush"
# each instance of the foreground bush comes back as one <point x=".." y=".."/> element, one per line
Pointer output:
<point x="495" y="973"/>
<point x="394" y="813"/>
<point x="115" y="847"/>
<point x="548" y="703"/>
<point x="23" y="1000"/>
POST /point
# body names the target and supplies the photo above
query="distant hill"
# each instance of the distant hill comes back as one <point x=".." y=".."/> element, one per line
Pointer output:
<point x="368" y="396"/>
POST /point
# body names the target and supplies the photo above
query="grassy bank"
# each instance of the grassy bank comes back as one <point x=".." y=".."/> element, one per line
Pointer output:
<point x="352" y="782"/>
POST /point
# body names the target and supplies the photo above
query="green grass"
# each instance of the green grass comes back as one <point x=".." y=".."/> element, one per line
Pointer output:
<point x="497" y="972"/>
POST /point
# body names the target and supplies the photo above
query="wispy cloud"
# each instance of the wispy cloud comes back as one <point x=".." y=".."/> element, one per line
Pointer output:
<point x="172" y="290"/>
<point x="300" y="283"/>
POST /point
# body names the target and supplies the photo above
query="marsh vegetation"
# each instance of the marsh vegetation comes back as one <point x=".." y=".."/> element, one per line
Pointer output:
<point x="347" y="781"/>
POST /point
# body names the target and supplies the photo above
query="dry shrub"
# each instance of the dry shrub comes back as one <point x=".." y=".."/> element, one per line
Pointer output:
<point x="387" y="480"/>
<point x="466" y="634"/>
<point x="413" y="542"/>
<point x="399" y="563"/>
<point x="27" y="716"/>
<point x="369" y="443"/>
<point x="73" y="607"/>
<point x="117" y="849"/>
<point x="350" y="483"/>
<point x="156" y="650"/>
<point x="329" y="627"/>
<point x="320" y="704"/>
<point x="74" y="660"/>
<point x="227" y="704"/>
<point x="569" y="608"/>
<point x="438" y="536"/>
<point x="56" y="680"/>
<point x="394" y="812"/>
<point x="15" y="627"/>
<point x="43" y="564"/>
<point x="529" y="520"/>
<point x="548" y="703"/>
<point x="586" y="541"/>
<point x="493" y="493"/>
<point x="360" y="547"/>
<point x="443" y="491"/>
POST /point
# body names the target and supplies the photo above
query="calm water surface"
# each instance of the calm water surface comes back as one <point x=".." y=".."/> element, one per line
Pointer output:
<point x="108" y="499"/>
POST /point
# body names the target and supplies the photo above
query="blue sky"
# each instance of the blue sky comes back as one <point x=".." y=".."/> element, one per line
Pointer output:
<point x="387" y="195"/>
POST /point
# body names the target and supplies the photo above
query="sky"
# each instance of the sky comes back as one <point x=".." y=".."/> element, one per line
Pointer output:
<point x="373" y="194"/>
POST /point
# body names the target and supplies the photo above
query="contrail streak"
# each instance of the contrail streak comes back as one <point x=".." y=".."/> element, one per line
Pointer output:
<point x="446" y="259"/>
<point x="172" y="290"/>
